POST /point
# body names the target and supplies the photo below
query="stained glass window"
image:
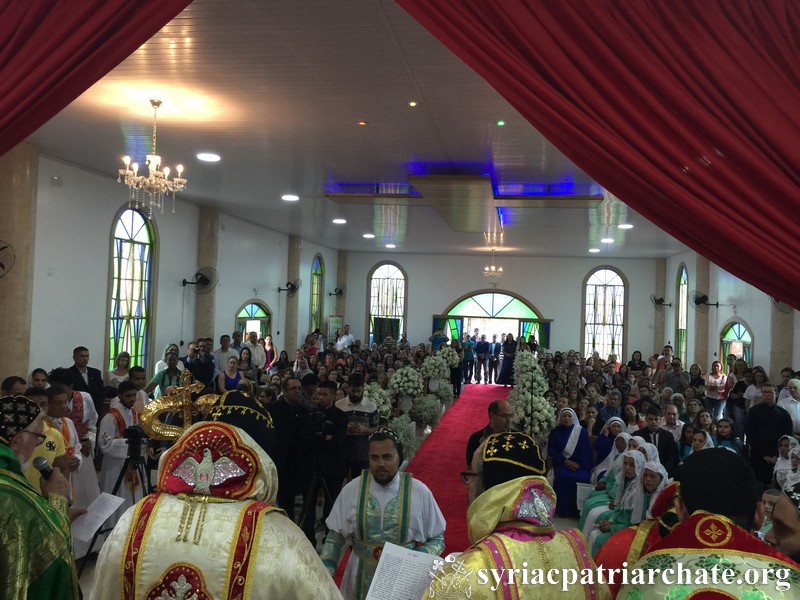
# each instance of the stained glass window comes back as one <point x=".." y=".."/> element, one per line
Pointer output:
<point x="254" y="317"/>
<point x="682" y="313"/>
<point x="604" y="313"/>
<point x="736" y="339"/>
<point x="131" y="306"/>
<point x="494" y="305"/>
<point x="317" y="277"/>
<point x="387" y="302"/>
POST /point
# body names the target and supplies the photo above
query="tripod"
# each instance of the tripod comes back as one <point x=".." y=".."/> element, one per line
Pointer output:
<point x="136" y="464"/>
<point x="309" y="511"/>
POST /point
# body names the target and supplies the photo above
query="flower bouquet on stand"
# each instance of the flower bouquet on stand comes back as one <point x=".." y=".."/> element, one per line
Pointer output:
<point x="404" y="429"/>
<point x="533" y="414"/>
<point x="425" y="412"/>
<point x="436" y="371"/>
<point x="406" y="385"/>
<point x="450" y="356"/>
<point x="380" y="397"/>
<point x="445" y="393"/>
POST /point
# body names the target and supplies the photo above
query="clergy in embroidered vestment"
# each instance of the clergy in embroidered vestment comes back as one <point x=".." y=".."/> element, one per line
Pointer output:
<point x="382" y="505"/>
<point x="510" y="521"/>
<point x="211" y="529"/>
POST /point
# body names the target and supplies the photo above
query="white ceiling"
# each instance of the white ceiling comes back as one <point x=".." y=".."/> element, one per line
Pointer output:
<point x="277" y="88"/>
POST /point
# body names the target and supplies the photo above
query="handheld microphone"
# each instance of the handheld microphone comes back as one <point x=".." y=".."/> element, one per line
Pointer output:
<point x="40" y="464"/>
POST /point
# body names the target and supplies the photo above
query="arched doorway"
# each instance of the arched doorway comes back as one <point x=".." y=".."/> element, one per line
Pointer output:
<point x="494" y="312"/>
<point x="254" y="316"/>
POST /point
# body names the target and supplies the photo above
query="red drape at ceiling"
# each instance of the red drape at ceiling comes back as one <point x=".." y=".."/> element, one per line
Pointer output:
<point x="51" y="51"/>
<point x="688" y="111"/>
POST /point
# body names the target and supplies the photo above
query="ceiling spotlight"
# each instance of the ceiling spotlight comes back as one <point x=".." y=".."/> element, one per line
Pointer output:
<point x="208" y="157"/>
<point x="290" y="197"/>
<point x="369" y="236"/>
<point x="501" y="123"/>
<point x="624" y="226"/>
<point x="390" y="246"/>
<point x="412" y="103"/>
<point x="607" y="241"/>
<point x="340" y="221"/>
<point x="361" y="123"/>
<point x="594" y="250"/>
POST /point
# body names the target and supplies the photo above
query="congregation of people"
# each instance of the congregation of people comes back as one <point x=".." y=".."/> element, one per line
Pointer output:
<point x="296" y="460"/>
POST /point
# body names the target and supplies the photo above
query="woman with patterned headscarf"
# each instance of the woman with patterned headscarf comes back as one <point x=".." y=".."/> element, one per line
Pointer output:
<point x="570" y="453"/>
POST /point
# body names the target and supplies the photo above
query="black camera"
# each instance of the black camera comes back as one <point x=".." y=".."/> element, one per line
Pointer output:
<point x="320" y="424"/>
<point x="135" y="436"/>
<point x="196" y="351"/>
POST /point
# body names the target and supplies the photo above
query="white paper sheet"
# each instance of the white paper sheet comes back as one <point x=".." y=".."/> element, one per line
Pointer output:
<point x="85" y="526"/>
<point x="402" y="574"/>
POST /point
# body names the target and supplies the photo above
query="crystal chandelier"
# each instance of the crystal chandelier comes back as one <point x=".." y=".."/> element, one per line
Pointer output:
<point x="150" y="190"/>
<point x="493" y="273"/>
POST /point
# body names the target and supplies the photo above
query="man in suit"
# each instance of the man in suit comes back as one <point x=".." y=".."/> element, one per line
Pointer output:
<point x="86" y="379"/>
<point x="482" y="360"/>
<point x="494" y="359"/>
<point x="663" y="440"/>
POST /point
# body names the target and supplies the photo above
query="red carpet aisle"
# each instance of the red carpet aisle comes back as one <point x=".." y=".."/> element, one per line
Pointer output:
<point x="441" y="457"/>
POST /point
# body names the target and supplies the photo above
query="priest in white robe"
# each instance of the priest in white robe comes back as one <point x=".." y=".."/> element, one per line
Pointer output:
<point x="382" y="505"/>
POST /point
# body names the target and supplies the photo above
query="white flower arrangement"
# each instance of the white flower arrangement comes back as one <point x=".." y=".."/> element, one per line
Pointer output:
<point x="406" y="382"/>
<point x="380" y="397"/>
<point x="402" y="427"/>
<point x="444" y="392"/>
<point x="435" y="366"/>
<point x="533" y="414"/>
<point x="426" y="410"/>
<point x="450" y="356"/>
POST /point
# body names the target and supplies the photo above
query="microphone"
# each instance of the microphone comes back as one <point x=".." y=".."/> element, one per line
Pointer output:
<point x="40" y="464"/>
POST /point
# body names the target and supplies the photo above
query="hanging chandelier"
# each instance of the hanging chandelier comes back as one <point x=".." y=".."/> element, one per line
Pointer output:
<point x="492" y="273"/>
<point x="150" y="190"/>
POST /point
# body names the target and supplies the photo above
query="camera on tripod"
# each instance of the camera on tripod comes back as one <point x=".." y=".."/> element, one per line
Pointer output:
<point x="136" y="438"/>
<point x="320" y="423"/>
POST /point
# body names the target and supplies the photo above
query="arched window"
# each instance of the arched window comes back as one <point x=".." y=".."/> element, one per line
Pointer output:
<point x="604" y="293"/>
<point x="317" y="280"/>
<point x="254" y="316"/>
<point x="387" y="302"/>
<point x="736" y="339"/>
<point x="131" y="305"/>
<point x="681" y="313"/>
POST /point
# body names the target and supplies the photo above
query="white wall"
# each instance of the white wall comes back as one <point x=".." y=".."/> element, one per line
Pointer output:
<point x="552" y="285"/>
<point x="71" y="265"/>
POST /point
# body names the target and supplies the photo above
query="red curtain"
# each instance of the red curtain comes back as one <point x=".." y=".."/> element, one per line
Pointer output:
<point x="688" y="111"/>
<point x="51" y="51"/>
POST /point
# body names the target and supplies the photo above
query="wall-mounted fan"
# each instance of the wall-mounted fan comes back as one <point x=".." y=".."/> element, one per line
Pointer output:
<point x="292" y="287"/>
<point x="699" y="301"/>
<point x="204" y="280"/>
<point x="337" y="292"/>
<point x="659" y="303"/>
<point x="781" y="306"/>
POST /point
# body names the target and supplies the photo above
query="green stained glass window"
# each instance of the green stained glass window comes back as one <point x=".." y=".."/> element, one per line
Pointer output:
<point x="736" y="339"/>
<point x="131" y="302"/>
<point x="317" y="277"/>
<point x="604" y="311"/>
<point x="253" y="311"/>
<point x="494" y="305"/>
<point x="254" y="317"/>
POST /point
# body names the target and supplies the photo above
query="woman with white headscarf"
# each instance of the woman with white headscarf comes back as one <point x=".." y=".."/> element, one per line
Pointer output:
<point x="606" y="488"/>
<point x="629" y="485"/>
<point x="650" y="452"/>
<point x="570" y="453"/>
<point x="786" y="444"/>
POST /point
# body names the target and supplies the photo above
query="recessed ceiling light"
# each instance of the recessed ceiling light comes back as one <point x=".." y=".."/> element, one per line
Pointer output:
<point x="208" y="157"/>
<point x="391" y="246"/>
<point x="607" y="241"/>
<point x="594" y="250"/>
<point x="290" y="197"/>
<point x="361" y="123"/>
<point x="369" y="236"/>
<point x="501" y="123"/>
<point x="624" y="226"/>
<point x="412" y="103"/>
<point x="340" y="221"/>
